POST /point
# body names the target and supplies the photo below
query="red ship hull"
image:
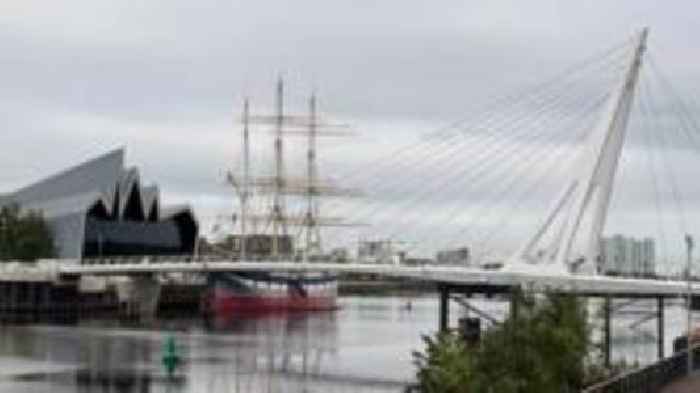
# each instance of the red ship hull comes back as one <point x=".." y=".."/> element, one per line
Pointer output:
<point x="228" y="304"/>
<point x="245" y="294"/>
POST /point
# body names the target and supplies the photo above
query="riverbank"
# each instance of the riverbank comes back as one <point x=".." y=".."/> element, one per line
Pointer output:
<point x="369" y="286"/>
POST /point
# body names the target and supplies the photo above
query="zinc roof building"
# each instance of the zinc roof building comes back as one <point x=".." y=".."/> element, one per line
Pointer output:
<point x="101" y="208"/>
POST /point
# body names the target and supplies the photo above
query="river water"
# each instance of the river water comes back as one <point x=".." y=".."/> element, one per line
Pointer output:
<point x="364" y="347"/>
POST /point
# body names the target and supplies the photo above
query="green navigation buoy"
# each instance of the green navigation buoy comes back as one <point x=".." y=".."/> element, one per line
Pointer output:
<point x="170" y="356"/>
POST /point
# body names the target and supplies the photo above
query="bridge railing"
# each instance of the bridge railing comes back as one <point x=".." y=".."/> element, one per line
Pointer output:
<point x="129" y="259"/>
<point x="649" y="379"/>
<point x="186" y="258"/>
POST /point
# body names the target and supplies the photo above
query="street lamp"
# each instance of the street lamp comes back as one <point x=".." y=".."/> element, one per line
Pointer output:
<point x="689" y="249"/>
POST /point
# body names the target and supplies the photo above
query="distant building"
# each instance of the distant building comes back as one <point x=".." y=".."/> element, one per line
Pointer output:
<point x="375" y="251"/>
<point x="101" y="208"/>
<point x="408" y="261"/>
<point x="648" y="256"/>
<point x="339" y="255"/>
<point x="459" y="256"/>
<point x="626" y="256"/>
<point x="259" y="245"/>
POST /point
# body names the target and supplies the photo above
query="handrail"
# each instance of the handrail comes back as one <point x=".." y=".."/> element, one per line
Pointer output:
<point x="648" y="379"/>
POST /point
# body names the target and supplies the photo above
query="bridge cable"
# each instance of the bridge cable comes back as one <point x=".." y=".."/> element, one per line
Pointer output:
<point x="394" y="156"/>
<point x="493" y="156"/>
<point x="505" y="192"/>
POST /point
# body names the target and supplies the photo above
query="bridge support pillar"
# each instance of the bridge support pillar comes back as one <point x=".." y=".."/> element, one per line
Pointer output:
<point x="144" y="297"/>
<point x="607" y="343"/>
<point x="514" y="304"/>
<point x="660" y="326"/>
<point x="15" y="300"/>
<point x="444" y="317"/>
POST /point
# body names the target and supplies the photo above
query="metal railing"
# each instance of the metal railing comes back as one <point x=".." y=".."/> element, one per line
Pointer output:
<point x="128" y="259"/>
<point x="178" y="258"/>
<point x="651" y="378"/>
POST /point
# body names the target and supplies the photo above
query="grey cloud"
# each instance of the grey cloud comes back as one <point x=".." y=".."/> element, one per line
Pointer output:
<point x="165" y="79"/>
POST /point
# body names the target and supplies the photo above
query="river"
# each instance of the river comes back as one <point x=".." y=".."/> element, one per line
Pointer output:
<point x="364" y="347"/>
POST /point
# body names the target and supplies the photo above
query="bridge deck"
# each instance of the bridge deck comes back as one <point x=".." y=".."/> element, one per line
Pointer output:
<point x="457" y="276"/>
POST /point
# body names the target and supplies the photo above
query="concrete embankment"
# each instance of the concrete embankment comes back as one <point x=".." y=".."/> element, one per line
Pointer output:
<point x="26" y="298"/>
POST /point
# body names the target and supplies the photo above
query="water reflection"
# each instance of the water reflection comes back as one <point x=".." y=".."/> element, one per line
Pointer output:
<point x="364" y="347"/>
<point x="269" y="352"/>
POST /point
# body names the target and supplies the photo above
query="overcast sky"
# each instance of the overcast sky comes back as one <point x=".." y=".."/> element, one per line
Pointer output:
<point x="166" y="79"/>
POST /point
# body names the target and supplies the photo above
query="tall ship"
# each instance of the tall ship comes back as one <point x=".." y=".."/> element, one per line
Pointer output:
<point x="265" y="231"/>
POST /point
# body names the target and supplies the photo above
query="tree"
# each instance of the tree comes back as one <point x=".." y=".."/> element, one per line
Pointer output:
<point x="446" y="366"/>
<point x="24" y="236"/>
<point x="541" y="349"/>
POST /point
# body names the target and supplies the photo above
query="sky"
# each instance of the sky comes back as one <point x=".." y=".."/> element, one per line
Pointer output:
<point x="166" y="79"/>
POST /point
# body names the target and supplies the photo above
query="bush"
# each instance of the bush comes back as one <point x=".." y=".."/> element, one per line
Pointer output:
<point x="446" y="365"/>
<point x="24" y="236"/>
<point x="543" y="349"/>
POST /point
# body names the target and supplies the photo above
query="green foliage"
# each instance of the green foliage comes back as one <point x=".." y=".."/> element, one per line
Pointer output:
<point x="446" y="366"/>
<point x="543" y="349"/>
<point x="24" y="236"/>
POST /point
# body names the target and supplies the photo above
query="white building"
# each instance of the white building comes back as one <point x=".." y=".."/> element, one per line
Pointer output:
<point x="648" y="256"/>
<point x="628" y="256"/>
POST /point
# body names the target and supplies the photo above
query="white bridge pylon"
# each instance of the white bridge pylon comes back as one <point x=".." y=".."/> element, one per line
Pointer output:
<point x="588" y="192"/>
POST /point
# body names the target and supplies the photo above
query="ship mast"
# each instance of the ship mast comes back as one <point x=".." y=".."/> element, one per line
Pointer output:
<point x="279" y="227"/>
<point x="246" y="178"/>
<point x="278" y="185"/>
<point x="313" y="235"/>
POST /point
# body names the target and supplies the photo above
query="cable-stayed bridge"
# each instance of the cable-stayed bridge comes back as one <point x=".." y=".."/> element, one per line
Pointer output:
<point x="564" y="249"/>
<point x="501" y="164"/>
<point x="541" y="281"/>
<point x="530" y="180"/>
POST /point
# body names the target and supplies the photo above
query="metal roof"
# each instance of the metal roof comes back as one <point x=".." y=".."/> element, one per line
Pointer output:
<point x="74" y="191"/>
<point x="77" y="189"/>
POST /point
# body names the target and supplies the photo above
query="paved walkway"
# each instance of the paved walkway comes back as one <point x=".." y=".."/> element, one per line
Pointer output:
<point x="685" y="385"/>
